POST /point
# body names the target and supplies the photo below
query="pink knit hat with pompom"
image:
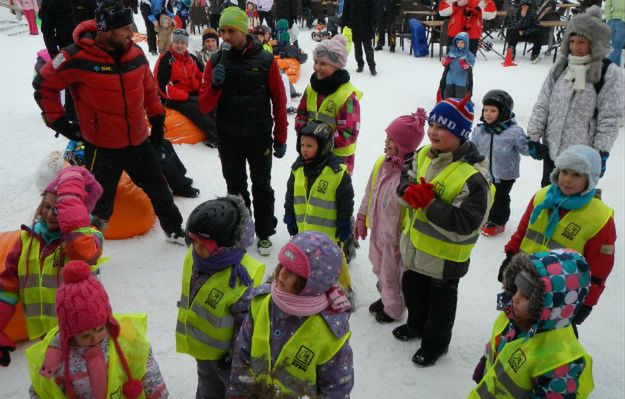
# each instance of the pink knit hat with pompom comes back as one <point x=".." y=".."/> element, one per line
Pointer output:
<point x="407" y="131"/>
<point x="332" y="51"/>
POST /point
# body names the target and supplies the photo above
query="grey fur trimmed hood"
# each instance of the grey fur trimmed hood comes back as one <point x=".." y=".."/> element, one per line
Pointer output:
<point x="590" y="26"/>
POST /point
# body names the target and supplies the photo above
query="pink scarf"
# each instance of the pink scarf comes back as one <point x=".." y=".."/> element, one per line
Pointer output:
<point x="298" y="305"/>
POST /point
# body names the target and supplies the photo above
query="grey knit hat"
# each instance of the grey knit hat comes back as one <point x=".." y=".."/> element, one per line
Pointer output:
<point x="180" y="35"/>
<point x="581" y="159"/>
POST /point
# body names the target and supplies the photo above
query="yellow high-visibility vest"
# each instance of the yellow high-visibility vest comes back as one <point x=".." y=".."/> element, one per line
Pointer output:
<point x="573" y="231"/>
<point x="511" y="374"/>
<point x="205" y="327"/>
<point x="131" y="339"/>
<point x="295" y="370"/>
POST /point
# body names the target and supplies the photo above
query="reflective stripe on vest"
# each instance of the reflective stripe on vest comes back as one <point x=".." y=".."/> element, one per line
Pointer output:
<point x="447" y="184"/>
<point x="329" y="110"/>
<point x="295" y="370"/>
<point x="374" y="179"/>
<point x="205" y="327"/>
<point x="317" y="210"/>
<point x="132" y="341"/>
<point x="513" y="372"/>
<point x="573" y="231"/>
<point x="38" y="285"/>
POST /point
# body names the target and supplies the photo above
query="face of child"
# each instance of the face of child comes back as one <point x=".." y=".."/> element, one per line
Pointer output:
<point x="442" y="139"/>
<point x="179" y="47"/>
<point x="250" y="6"/>
<point x="579" y="46"/>
<point x="323" y="69"/>
<point x="201" y="250"/>
<point x="210" y="44"/>
<point x="48" y="212"/>
<point x="288" y="281"/>
<point x="520" y="309"/>
<point x="267" y="36"/>
<point x="91" y="337"/>
<point x="572" y="182"/>
<point x="308" y="147"/>
<point x="490" y="113"/>
<point x="261" y="38"/>
<point x="166" y="23"/>
<point x="390" y="148"/>
<point x="460" y="43"/>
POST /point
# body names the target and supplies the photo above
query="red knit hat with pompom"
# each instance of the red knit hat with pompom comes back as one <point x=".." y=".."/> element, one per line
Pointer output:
<point x="81" y="305"/>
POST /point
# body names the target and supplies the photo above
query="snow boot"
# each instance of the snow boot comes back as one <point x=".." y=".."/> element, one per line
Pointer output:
<point x="376" y="306"/>
<point x="406" y="333"/>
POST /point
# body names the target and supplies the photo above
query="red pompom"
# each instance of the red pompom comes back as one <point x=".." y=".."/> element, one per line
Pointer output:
<point x="76" y="271"/>
<point x="132" y="389"/>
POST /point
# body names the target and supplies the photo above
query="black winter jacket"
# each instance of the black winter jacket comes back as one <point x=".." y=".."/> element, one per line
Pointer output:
<point x="360" y="16"/>
<point x="527" y="24"/>
<point x="59" y="18"/>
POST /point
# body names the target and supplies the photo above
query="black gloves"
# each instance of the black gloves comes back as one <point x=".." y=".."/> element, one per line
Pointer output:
<point x="225" y="363"/>
<point x="343" y="229"/>
<point x="5" y="356"/>
<point x="478" y="372"/>
<point x="537" y="150"/>
<point x="192" y="99"/>
<point x="504" y="264"/>
<point x="291" y="224"/>
<point x="158" y="129"/>
<point x="67" y="129"/>
<point x="218" y="76"/>
<point x="581" y="315"/>
<point x="279" y="149"/>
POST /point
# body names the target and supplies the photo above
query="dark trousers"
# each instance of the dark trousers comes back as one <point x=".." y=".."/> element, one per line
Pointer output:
<point x="535" y="39"/>
<point x="211" y="380"/>
<point x="144" y="169"/>
<point x="267" y="16"/>
<point x="431" y="305"/>
<point x="384" y="26"/>
<point x="256" y="151"/>
<point x="500" y="211"/>
<point x="548" y="167"/>
<point x="358" y="46"/>
<point x="473" y="45"/>
<point x="146" y="11"/>
<point x="190" y="109"/>
<point x="214" y="20"/>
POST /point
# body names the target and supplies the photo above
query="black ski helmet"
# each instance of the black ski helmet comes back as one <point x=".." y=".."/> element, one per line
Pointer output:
<point x="217" y="219"/>
<point x="503" y="102"/>
<point x="322" y="132"/>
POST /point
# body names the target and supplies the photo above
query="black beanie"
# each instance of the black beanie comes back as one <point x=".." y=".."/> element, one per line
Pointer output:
<point x="210" y="33"/>
<point x="112" y="15"/>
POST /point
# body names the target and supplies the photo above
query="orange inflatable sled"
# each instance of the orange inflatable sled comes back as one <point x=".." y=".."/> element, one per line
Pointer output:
<point x="291" y="67"/>
<point x="180" y="130"/>
<point x="133" y="214"/>
<point x="16" y="329"/>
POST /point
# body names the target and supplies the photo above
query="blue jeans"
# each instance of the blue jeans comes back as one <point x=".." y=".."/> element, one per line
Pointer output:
<point x="618" y="39"/>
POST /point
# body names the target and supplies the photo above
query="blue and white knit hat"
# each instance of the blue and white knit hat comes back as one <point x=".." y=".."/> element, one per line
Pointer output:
<point x="455" y="115"/>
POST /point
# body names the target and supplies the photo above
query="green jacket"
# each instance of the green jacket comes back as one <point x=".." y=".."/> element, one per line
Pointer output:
<point x="614" y="9"/>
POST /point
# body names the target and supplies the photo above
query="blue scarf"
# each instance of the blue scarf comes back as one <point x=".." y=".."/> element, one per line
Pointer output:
<point x="48" y="236"/>
<point x="554" y="200"/>
<point x="222" y="260"/>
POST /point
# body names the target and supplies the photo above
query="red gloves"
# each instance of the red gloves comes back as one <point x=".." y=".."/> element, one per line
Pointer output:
<point x="419" y="196"/>
<point x="464" y="64"/>
<point x="446" y="61"/>
<point x="360" y="229"/>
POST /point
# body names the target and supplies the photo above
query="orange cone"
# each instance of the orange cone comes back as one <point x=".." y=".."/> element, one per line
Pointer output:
<point x="508" y="61"/>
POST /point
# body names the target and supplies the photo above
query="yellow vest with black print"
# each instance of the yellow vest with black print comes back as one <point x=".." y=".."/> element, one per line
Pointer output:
<point x="573" y="231"/>
<point x="38" y="285"/>
<point x="131" y="339"/>
<point x="295" y="370"/>
<point x="317" y="210"/>
<point x="205" y="327"/>
<point x="512" y="373"/>
<point x="447" y="184"/>
<point x="329" y="110"/>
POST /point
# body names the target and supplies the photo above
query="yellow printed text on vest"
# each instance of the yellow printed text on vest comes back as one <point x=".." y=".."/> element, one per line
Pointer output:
<point x="295" y="369"/>
<point x="511" y="374"/>
<point x="205" y="326"/>
<point x="132" y="341"/>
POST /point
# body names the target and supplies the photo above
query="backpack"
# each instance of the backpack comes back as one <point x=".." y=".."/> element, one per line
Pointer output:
<point x="419" y="42"/>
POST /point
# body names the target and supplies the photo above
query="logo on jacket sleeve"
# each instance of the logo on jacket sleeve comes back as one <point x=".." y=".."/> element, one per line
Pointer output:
<point x="58" y="60"/>
<point x="303" y="358"/>
<point x="517" y="360"/>
<point x="214" y="297"/>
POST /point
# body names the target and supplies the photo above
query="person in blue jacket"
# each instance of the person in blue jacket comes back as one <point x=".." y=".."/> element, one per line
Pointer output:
<point x="457" y="77"/>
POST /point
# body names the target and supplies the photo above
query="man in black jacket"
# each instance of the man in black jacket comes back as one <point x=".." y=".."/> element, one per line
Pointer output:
<point x="359" y="15"/>
<point x="386" y="17"/>
<point x="525" y="28"/>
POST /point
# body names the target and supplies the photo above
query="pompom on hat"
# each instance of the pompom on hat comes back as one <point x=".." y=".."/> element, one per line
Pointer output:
<point x="407" y="131"/>
<point x="333" y="51"/>
<point x="82" y="304"/>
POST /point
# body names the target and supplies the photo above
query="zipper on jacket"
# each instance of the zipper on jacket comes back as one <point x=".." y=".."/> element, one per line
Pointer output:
<point x="121" y="82"/>
<point x="490" y="157"/>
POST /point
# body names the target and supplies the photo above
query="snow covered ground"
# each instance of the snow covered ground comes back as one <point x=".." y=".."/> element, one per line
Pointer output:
<point x="143" y="274"/>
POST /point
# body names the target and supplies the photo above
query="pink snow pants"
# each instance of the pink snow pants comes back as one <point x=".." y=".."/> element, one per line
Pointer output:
<point x="388" y="268"/>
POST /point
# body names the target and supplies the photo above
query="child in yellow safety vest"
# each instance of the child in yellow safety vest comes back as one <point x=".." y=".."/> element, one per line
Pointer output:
<point x="533" y="351"/>
<point x="569" y="213"/>
<point x="93" y="353"/>
<point x="295" y="339"/>
<point x="218" y="278"/>
<point x="380" y="212"/>
<point x="446" y="188"/>
<point x="332" y="98"/>
<point x="61" y="231"/>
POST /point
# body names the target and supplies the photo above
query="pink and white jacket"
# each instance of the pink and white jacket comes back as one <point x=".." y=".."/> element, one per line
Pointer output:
<point x="27" y="5"/>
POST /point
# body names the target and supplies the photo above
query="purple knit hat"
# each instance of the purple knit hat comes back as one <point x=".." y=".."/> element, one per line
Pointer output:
<point x="324" y="260"/>
<point x="332" y="51"/>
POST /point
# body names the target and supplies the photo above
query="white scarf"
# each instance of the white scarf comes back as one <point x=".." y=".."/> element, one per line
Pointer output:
<point x="576" y="73"/>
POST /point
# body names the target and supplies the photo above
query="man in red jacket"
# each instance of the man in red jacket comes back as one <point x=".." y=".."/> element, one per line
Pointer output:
<point x="111" y="81"/>
<point x="467" y="16"/>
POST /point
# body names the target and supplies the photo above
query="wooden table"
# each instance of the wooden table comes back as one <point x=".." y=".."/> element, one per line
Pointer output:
<point x="501" y="14"/>
<point x="422" y="13"/>
<point x="552" y="25"/>
<point x="435" y="25"/>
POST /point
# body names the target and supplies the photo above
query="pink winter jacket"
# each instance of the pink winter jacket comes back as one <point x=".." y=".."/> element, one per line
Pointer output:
<point x="27" y="5"/>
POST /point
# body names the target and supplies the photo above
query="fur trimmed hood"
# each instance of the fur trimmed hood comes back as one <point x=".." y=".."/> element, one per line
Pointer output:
<point x="590" y="26"/>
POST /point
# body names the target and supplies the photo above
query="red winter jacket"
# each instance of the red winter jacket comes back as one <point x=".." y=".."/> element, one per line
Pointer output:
<point x="469" y="16"/>
<point x="178" y="75"/>
<point x="598" y="251"/>
<point x="111" y="98"/>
